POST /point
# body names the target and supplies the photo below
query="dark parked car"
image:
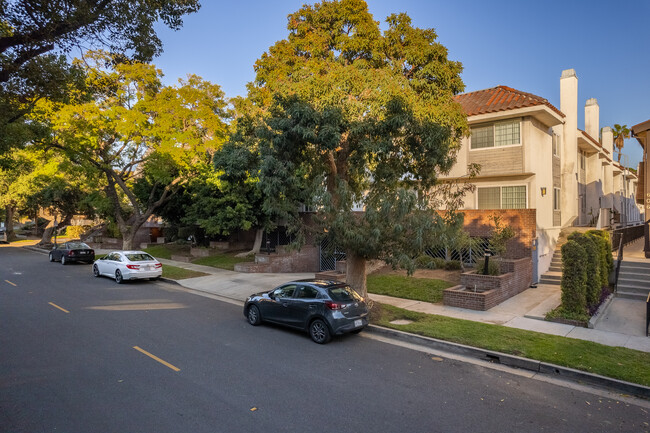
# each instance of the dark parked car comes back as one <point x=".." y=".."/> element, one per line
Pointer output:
<point x="323" y="308"/>
<point x="72" y="251"/>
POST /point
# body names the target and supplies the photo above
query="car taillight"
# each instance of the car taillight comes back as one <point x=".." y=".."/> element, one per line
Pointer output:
<point x="70" y="253"/>
<point x="334" y="305"/>
<point x="133" y="266"/>
<point x="158" y="265"/>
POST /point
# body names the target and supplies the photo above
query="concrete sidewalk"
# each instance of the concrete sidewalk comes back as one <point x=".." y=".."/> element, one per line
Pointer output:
<point x="620" y="324"/>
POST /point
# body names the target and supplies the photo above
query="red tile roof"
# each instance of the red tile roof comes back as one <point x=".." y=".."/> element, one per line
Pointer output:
<point x="500" y="98"/>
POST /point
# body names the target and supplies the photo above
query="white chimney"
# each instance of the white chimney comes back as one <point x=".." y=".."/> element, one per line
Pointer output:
<point x="592" y="116"/>
<point x="608" y="140"/>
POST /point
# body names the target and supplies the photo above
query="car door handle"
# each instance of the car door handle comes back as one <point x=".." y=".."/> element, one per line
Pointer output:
<point x="285" y="304"/>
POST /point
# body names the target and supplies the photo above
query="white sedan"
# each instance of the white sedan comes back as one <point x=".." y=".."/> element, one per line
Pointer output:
<point x="127" y="265"/>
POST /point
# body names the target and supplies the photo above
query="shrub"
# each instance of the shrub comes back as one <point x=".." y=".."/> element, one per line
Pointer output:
<point x="574" y="278"/>
<point x="439" y="263"/>
<point x="424" y="261"/>
<point x="74" y="232"/>
<point x="594" y="266"/>
<point x="605" y="249"/>
<point x="453" y="265"/>
<point x="493" y="267"/>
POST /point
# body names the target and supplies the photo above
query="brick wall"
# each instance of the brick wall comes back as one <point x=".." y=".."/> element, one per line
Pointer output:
<point x="523" y="221"/>
<point x="493" y="289"/>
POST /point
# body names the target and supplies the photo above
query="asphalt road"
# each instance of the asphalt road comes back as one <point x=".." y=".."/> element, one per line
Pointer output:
<point x="83" y="354"/>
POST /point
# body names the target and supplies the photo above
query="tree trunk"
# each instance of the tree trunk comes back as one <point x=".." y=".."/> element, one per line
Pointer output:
<point x="256" y="246"/>
<point x="356" y="273"/>
<point x="128" y="238"/>
<point x="9" y="223"/>
<point x="46" y="239"/>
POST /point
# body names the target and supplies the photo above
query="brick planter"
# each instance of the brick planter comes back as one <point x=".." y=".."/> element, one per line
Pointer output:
<point x="482" y="292"/>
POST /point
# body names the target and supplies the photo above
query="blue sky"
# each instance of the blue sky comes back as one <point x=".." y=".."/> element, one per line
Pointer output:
<point x="520" y="44"/>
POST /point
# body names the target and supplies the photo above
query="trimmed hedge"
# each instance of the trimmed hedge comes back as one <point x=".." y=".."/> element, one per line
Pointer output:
<point x="594" y="266"/>
<point x="574" y="278"/>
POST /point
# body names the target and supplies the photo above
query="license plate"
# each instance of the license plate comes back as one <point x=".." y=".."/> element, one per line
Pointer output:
<point x="358" y="323"/>
<point x="83" y="252"/>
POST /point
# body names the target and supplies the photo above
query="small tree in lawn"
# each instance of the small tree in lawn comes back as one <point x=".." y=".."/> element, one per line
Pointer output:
<point x="356" y="118"/>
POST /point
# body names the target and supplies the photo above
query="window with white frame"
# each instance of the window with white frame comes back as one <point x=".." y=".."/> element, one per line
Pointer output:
<point x="556" y="198"/>
<point x="506" y="133"/>
<point x="556" y="145"/>
<point x="502" y="197"/>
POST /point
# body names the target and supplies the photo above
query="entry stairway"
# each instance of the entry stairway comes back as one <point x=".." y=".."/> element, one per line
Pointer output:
<point x="633" y="279"/>
<point x="554" y="274"/>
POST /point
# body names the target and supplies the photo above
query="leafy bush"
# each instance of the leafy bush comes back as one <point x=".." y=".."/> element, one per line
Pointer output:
<point x="493" y="267"/>
<point x="594" y="268"/>
<point x="74" y="232"/>
<point x="605" y="248"/>
<point x="453" y="265"/>
<point x="574" y="278"/>
<point x="439" y="263"/>
<point x="425" y="261"/>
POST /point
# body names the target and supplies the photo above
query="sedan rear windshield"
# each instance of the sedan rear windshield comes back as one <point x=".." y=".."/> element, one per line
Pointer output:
<point x="343" y="294"/>
<point x="78" y="246"/>
<point x="141" y="257"/>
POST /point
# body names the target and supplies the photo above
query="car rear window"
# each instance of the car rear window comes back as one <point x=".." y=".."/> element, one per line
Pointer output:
<point x="343" y="294"/>
<point x="141" y="257"/>
<point x="78" y="246"/>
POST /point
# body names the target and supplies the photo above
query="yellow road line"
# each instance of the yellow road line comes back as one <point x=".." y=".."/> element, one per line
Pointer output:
<point x="154" y="357"/>
<point x="56" y="306"/>
<point x="7" y="281"/>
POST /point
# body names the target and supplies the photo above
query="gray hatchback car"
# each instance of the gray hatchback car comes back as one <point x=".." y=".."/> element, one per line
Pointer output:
<point x="323" y="308"/>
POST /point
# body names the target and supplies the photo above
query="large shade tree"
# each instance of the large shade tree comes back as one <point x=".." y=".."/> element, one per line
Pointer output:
<point x="36" y="36"/>
<point x="146" y="140"/>
<point x="359" y="119"/>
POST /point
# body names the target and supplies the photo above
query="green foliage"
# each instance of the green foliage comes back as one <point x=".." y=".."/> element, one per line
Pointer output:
<point x="574" y="278"/>
<point x="425" y="261"/>
<point x="439" y="263"/>
<point x="605" y="250"/>
<point x="36" y="38"/>
<point x="593" y="266"/>
<point x="452" y="265"/>
<point x="356" y="117"/>
<point x="74" y="232"/>
<point x="493" y="267"/>
<point x="166" y="134"/>
<point x="500" y="235"/>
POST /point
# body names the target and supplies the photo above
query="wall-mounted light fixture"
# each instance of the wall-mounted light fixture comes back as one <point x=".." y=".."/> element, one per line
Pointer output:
<point x="543" y="190"/>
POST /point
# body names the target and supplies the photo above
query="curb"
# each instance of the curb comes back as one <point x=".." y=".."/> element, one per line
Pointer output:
<point x="619" y="386"/>
<point x="601" y="312"/>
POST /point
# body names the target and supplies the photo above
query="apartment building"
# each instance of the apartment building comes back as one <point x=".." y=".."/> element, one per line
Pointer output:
<point x="534" y="156"/>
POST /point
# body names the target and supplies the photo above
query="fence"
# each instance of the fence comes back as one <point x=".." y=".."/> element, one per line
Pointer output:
<point x="627" y="234"/>
<point x="469" y="256"/>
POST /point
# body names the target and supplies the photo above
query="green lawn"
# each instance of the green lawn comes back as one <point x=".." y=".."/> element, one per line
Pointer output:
<point x="616" y="362"/>
<point x="176" y="273"/>
<point x="419" y="289"/>
<point x="223" y="261"/>
<point x="217" y="260"/>
<point x="166" y="251"/>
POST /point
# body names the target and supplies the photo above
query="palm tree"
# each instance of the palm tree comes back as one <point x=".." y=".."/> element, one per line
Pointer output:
<point x="621" y="132"/>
